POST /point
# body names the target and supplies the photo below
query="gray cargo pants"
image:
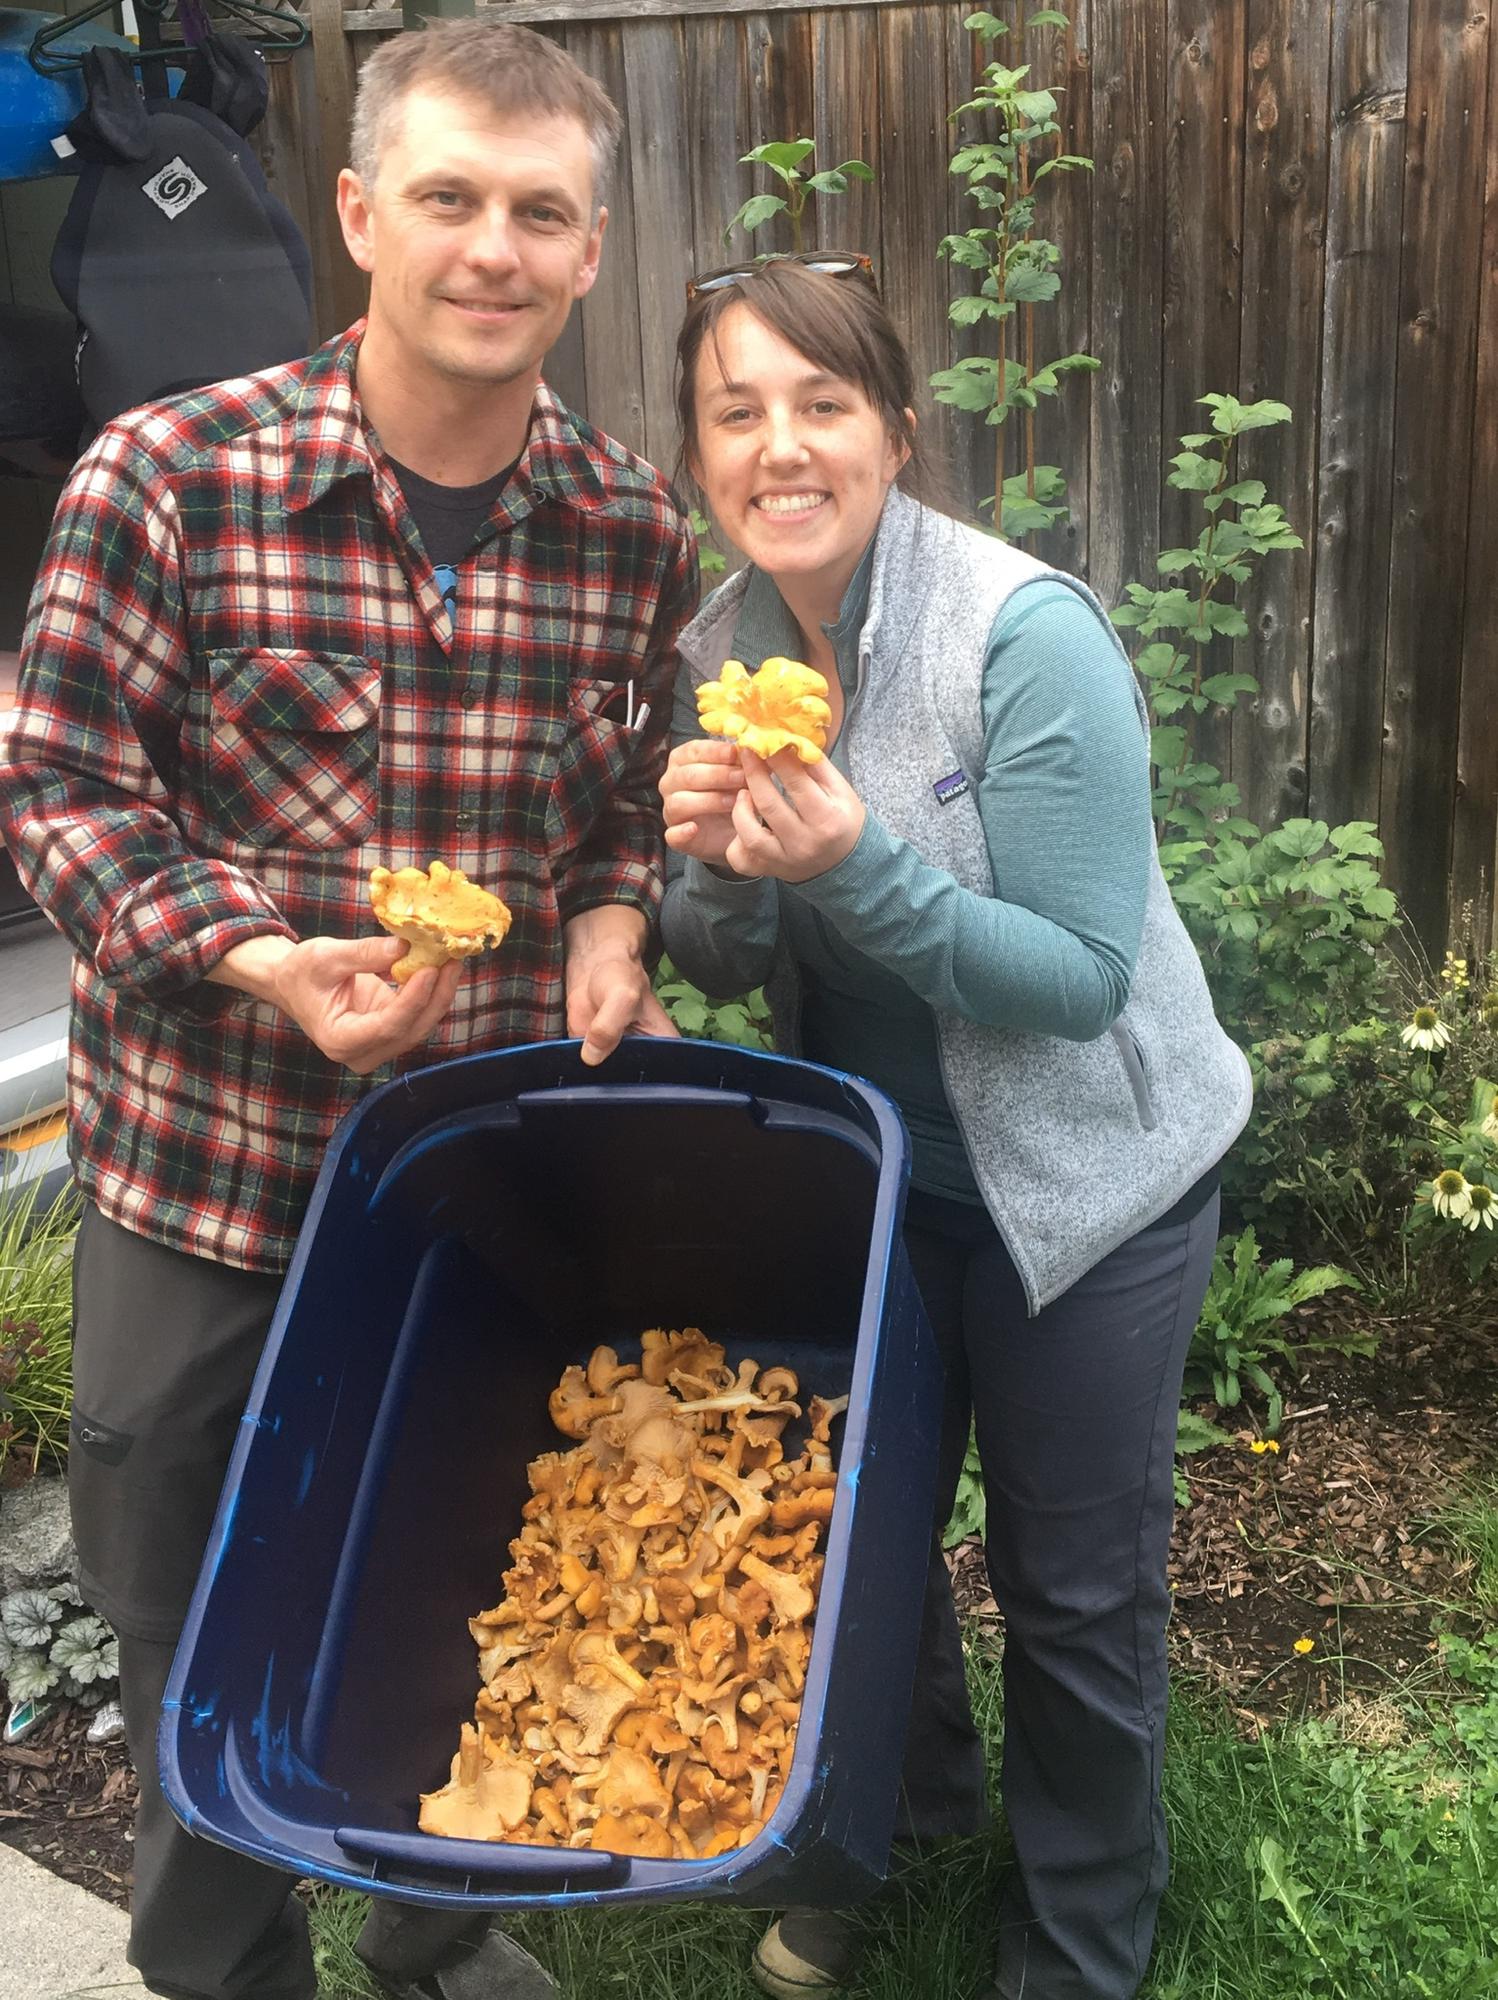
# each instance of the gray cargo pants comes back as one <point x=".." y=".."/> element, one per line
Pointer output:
<point x="164" y="1350"/>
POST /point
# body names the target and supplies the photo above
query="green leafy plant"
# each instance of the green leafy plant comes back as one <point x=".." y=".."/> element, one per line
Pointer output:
<point x="1459" y="1203"/>
<point x="1241" y="1328"/>
<point x="45" y="1650"/>
<point x="1005" y="176"/>
<point x="744" y="1021"/>
<point x="970" y="1509"/>
<point x="1194" y="1434"/>
<point x="1194" y="804"/>
<point x="711" y="560"/>
<point x="1287" y="922"/>
<point x="36" y="1347"/>
<point x="786" y="159"/>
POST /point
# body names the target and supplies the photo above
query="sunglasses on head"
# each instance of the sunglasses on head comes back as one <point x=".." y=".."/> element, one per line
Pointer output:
<point x="832" y="263"/>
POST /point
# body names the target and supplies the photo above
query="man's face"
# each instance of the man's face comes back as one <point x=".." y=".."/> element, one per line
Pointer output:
<point x="477" y="236"/>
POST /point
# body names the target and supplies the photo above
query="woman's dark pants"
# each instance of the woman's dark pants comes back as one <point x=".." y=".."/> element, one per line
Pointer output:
<point x="1075" y="1412"/>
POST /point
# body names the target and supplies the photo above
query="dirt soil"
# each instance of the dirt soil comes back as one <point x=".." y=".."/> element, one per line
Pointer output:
<point x="1329" y="1539"/>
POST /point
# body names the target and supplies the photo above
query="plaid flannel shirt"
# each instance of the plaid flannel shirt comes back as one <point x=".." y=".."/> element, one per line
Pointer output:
<point x="241" y="689"/>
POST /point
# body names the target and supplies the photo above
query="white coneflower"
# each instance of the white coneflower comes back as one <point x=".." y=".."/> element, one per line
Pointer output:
<point x="1450" y="1194"/>
<point x="1425" y="1030"/>
<point x="1481" y="1203"/>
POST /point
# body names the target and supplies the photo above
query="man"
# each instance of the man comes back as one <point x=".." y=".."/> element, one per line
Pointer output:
<point x="386" y="604"/>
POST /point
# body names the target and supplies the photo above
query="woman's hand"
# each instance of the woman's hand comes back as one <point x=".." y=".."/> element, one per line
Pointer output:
<point x="797" y="832"/>
<point x="699" y="786"/>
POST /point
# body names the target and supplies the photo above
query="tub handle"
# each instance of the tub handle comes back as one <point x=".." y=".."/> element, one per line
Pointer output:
<point x="544" y="1867"/>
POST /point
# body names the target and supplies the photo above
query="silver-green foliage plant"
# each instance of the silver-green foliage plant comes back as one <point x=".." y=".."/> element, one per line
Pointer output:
<point x="786" y="159"/>
<point x="1242" y="1325"/>
<point x="1006" y="176"/>
<point x="51" y="1645"/>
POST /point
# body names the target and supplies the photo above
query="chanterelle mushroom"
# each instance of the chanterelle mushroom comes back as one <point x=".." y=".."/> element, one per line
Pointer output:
<point x="782" y="706"/>
<point x="439" y="912"/>
<point x="644" y="1669"/>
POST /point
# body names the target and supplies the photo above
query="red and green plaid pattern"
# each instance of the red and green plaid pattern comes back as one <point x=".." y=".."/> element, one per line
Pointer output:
<point x="241" y="689"/>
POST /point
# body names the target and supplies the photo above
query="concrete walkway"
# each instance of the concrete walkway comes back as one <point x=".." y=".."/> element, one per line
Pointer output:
<point x="57" y="1942"/>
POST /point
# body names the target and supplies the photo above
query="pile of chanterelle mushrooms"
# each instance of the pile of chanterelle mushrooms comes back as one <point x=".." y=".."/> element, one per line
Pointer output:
<point x="642" y="1675"/>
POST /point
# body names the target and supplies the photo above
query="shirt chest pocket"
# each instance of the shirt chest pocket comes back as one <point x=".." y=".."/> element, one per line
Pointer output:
<point x="293" y="756"/>
<point x="597" y="750"/>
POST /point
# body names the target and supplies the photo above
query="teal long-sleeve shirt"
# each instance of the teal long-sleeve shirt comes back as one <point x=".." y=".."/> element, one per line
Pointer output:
<point x="884" y="938"/>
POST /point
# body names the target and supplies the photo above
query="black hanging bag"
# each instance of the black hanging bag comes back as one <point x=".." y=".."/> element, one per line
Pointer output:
<point x="179" y="264"/>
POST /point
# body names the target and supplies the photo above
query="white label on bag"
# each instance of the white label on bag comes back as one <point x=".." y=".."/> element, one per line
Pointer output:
<point x="176" y="187"/>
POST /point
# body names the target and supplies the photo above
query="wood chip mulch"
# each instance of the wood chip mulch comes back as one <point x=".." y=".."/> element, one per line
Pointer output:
<point x="69" y="1803"/>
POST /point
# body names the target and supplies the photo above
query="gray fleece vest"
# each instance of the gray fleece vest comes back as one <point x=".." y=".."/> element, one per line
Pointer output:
<point x="1075" y="1146"/>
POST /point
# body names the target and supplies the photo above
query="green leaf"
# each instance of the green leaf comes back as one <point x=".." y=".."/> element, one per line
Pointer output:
<point x="1193" y="473"/>
<point x="759" y="208"/>
<point x="1194" y="1433"/>
<point x="1048" y="17"/>
<point x="1278" y="1885"/>
<point x="856" y="170"/>
<point x="987" y="25"/>
<point x="829" y="181"/>
<point x="28" y="1617"/>
<point x="1300" y="837"/>
<point x="782" y="156"/>
<point x="966" y="251"/>
<point x="1245" y="492"/>
<point x="1225" y="688"/>
<point x="968" y="311"/>
<point x="1029" y="285"/>
<point x="970" y="385"/>
<point x="1036" y="107"/>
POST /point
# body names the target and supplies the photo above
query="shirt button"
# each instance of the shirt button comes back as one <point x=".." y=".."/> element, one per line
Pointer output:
<point x="465" y="822"/>
<point x="468" y="699"/>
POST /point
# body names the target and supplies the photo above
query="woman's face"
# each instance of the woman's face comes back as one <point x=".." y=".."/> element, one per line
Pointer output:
<point x="795" y="463"/>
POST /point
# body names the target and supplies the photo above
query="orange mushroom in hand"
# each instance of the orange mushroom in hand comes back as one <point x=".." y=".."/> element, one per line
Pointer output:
<point x="441" y="915"/>
<point x="781" y="707"/>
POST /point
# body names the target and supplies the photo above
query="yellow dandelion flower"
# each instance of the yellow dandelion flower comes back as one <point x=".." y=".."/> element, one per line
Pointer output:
<point x="1305" y="1645"/>
<point x="1261" y="1445"/>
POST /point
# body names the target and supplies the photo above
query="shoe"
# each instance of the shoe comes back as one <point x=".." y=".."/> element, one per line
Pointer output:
<point x="805" y="1955"/>
<point x="497" y="1969"/>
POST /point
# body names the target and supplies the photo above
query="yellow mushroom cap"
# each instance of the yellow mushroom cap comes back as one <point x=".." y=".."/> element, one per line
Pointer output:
<point x="781" y="707"/>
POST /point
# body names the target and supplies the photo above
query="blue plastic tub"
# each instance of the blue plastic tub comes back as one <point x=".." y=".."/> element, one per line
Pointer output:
<point x="477" y="1227"/>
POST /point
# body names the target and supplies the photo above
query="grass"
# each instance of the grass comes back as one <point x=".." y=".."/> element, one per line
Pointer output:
<point x="1331" y="1859"/>
<point x="36" y="1309"/>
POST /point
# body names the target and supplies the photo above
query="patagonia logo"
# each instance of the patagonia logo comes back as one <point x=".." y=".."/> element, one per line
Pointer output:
<point x="953" y="786"/>
<point x="176" y="187"/>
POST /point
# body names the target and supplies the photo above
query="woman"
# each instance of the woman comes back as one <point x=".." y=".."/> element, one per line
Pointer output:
<point x="962" y="902"/>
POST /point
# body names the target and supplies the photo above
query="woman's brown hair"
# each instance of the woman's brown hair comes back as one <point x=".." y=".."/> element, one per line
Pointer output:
<point x="838" y="323"/>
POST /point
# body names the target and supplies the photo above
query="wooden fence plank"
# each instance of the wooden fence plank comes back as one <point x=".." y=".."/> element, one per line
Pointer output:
<point x="912" y="168"/>
<point x="1438" y="306"/>
<point x="1354" y="497"/>
<point x="612" y="357"/>
<point x="1284" y="235"/>
<point x="1064" y="423"/>
<point x="1128" y="112"/>
<point x="778" y="58"/>
<point x="655" y="109"/>
<point x="718" y="92"/>
<point x="845" y="121"/>
<point x="341" y="290"/>
<point x="361" y="20"/>
<point x="1475" y="833"/>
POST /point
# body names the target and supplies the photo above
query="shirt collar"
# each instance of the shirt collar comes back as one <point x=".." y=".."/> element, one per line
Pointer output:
<point x="333" y="442"/>
<point x="765" y="628"/>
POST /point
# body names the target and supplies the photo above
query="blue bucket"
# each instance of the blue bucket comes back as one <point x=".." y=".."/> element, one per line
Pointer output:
<point x="477" y="1227"/>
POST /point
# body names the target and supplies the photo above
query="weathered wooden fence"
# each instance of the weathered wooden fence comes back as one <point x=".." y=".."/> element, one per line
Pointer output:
<point x="1293" y="198"/>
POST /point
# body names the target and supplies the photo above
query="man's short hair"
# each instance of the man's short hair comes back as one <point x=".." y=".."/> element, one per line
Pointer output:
<point x="511" y="69"/>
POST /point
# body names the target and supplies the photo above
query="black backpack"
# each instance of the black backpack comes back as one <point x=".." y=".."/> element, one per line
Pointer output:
<point x="178" y="263"/>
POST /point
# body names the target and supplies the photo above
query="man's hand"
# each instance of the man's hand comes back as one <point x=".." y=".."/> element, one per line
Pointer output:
<point x="608" y="988"/>
<point x="337" y="991"/>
